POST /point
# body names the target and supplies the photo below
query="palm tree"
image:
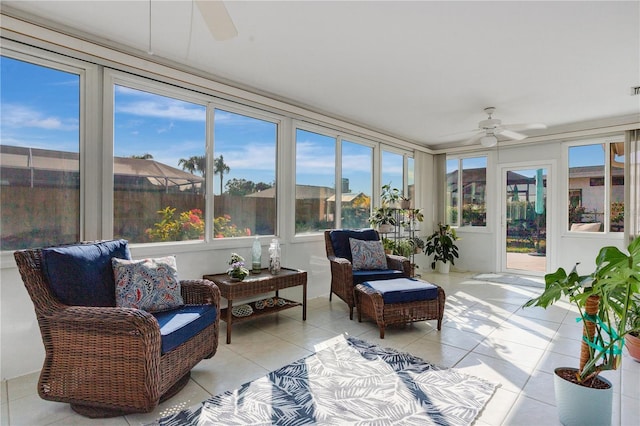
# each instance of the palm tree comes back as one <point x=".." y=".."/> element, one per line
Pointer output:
<point x="196" y="163"/>
<point x="220" y="167"/>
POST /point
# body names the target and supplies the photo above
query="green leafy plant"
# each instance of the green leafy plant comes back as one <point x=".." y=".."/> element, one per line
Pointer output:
<point x="224" y="228"/>
<point x="606" y="300"/>
<point x="382" y="216"/>
<point x="403" y="247"/>
<point x="389" y="245"/>
<point x="441" y="244"/>
<point x="390" y="196"/>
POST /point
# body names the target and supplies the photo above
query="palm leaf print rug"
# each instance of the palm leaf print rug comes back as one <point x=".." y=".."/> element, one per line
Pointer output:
<point x="347" y="383"/>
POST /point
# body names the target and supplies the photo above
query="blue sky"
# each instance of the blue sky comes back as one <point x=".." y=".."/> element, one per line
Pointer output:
<point x="39" y="108"/>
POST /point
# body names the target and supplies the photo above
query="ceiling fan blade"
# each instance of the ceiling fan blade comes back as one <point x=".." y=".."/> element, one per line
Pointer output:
<point x="510" y="134"/>
<point x="524" y="126"/>
<point x="217" y="18"/>
<point x="474" y="139"/>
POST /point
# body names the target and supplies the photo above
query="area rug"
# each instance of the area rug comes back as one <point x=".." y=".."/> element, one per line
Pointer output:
<point x="510" y="279"/>
<point x="348" y="382"/>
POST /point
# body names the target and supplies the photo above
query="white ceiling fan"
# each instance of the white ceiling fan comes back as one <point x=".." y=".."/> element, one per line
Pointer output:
<point x="217" y="18"/>
<point x="492" y="127"/>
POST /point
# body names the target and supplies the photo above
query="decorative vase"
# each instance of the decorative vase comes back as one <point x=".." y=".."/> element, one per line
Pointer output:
<point x="632" y="343"/>
<point x="443" y="267"/>
<point x="274" y="257"/>
<point x="256" y="257"/>
<point x="582" y="405"/>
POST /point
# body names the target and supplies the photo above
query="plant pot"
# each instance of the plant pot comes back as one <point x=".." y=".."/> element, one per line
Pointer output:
<point x="581" y="405"/>
<point x="632" y="344"/>
<point x="443" y="267"/>
<point x="385" y="228"/>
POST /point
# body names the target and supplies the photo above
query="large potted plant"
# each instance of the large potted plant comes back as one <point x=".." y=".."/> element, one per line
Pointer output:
<point x="442" y="245"/>
<point x="604" y="299"/>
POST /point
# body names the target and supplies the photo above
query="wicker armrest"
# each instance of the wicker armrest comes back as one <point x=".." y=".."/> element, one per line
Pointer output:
<point x="200" y="292"/>
<point x="108" y="320"/>
<point x="399" y="263"/>
<point x="339" y="260"/>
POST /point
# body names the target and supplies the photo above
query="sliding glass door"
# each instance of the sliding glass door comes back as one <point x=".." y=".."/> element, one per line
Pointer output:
<point x="524" y="219"/>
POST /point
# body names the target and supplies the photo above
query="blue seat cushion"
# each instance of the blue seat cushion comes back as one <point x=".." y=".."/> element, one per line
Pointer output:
<point x="340" y="240"/>
<point x="403" y="290"/>
<point x="363" y="275"/>
<point x="181" y="324"/>
<point x="81" y="274"/>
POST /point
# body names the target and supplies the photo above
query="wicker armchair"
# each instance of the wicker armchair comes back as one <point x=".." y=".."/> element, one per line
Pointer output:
<point x="344" y="278"/>
<point x="108" y="361"/>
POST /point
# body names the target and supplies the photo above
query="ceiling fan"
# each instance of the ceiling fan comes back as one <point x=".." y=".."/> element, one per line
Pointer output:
<point x="217" y="18"/>
<point x="492" y="127"/>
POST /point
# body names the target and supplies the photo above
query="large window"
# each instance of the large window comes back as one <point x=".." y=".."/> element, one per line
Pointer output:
<point x="158" y="167"/>
<point x="596" y="186"/>
<point x="39" y="158"/>
<point x="244" y="175"/>
<point x="315" y="181"/>
<point x="392" y="169"/>
<point x="357" y="178"/>
<point x="466" y="186"/>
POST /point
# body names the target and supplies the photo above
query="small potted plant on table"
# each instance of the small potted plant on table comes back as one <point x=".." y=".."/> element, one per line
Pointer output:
<point x="237" y="270"/>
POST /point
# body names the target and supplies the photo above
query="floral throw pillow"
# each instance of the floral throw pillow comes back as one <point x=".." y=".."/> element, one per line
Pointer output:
<point x="148" y="284"/>
<point x="367" y="254"/>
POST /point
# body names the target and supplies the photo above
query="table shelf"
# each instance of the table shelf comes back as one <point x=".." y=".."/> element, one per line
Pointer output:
<point x="260" y="312"/>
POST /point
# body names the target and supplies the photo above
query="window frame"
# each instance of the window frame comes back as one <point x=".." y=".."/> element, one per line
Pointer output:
<point x="606" y="140"/>
<point x="487" y="196"/>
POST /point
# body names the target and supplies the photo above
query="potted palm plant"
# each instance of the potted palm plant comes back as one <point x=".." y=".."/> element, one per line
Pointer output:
<point x="442" y="245"/>
<point x="604" y="299"/>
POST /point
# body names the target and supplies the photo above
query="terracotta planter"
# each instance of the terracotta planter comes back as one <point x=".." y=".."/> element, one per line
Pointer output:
<point x="632" y="343"/>
<point x="580" y="405"/>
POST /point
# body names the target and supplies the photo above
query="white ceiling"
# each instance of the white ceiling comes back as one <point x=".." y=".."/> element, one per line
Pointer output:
<point x="420" y="71"/>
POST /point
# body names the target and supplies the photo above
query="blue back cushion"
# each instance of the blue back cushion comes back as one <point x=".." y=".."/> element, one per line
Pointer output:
<point x="179" y="325"/>
<point x="340" y="240"/>
<point x="402" y="290"/>
<point x="81" y="274"/>
<point x="363" y="275"/>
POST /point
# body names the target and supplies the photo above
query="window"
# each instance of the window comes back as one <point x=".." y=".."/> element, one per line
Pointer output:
<point x="39" y="158"/>
<point x="357" y="178"/>
<point x="392" y="169"/>
<point x="244" y="175"/>
<point x="158" y="167"/>
<point x="315" y="181"/>
<point x="596" y="185"/>
<point x="466" y="191"/>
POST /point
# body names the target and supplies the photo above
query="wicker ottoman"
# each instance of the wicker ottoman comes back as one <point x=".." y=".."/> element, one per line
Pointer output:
<point x="408" y="300"/>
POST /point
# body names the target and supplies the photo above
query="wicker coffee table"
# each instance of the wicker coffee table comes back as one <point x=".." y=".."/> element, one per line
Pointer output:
<point x="256" y="284"/>
<point x="370" y="303"/>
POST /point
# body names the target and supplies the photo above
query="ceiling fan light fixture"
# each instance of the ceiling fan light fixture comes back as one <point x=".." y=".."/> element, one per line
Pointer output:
<point x="488" y="141"/>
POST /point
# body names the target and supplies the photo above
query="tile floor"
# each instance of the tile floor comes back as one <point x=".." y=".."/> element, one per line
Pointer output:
<point x="486" y="333"/>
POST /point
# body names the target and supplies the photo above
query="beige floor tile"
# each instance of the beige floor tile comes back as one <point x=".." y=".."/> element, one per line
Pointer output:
<point x="192" y="395"/>
<point x="530" y="412"/>
<point x="22" y="386"/>
<point x="511" y="376"/>
<point x="512" y="352"/>
<point x="540" y="387"/>
<point x="438" y="354"/>
<point x="32" y="410"/>
<point x="497" y="408"/>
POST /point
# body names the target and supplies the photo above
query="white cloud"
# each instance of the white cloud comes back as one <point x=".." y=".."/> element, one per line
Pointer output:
<point x="20" y="116"/>
<point x="173" y="109"/>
